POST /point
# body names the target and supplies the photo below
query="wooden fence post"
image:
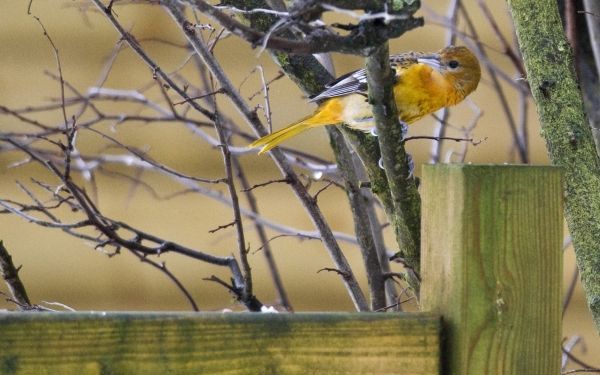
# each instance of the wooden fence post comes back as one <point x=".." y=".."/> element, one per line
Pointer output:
<point x="492" y="266"/>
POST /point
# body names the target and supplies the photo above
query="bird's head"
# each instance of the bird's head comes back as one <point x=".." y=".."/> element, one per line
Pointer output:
<point x="458" y="65"/>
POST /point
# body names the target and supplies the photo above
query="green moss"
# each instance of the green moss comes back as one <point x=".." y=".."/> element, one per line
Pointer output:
<point x="88" y="343"/>
<point x="258" y="21"/>
<point x="409" y="5"/>
<point x="9" y="364"/>
<point x="304" y="70"/>
<point x="549" y="65"/>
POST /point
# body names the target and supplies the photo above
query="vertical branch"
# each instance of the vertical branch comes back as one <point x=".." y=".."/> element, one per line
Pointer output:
<point x="440" y="131"/>
<point x="362" y="225"/>
<point x="392" y="297"/>
<point x="403" y="189"/>
<point x="592" y="17"/>
<point x="262" y="235"/>
<point x="522" y="89"/>
<point x="367" y="148"/>
<point x="235" y="204"/>
<point x="549" y="65"/>
<point x="522" y="122"/>
<point x="59" y="69"/>
<point x="590" y="74"/>
<point x="571" y="25"/>
<point x="377" y="232"/>
<point x="522" y="148"/>
<point x="307" y="73"/>
<point x="570" y="290"/>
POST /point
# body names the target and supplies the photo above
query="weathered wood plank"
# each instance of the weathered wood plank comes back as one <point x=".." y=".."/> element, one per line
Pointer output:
<point x="235" y="343"/>
<point x="492" y="266"/>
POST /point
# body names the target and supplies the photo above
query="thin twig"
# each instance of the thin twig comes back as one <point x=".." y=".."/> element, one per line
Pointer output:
<point x="567" y="355"/>
<point x="435" y="138"/>
<point x="521" y="147"/>
<point x="246" y="289"/>
<point x="262" y="235"/>
<point x="329" y="269"/>
<point x="59" y="67"/>
<point x="110" y="228"/>
<point x="163" y="268"/>
<point x="570" y="290"/>
<point x="263" y="184"/>
<point x="440" y="131"/>
<point x="222" y="226"/>
<point x="297" y="235"/>
<point x="251" y="117"/>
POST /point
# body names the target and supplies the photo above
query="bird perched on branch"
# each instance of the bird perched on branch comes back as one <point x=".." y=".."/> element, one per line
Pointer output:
<point x="425" y="82"/>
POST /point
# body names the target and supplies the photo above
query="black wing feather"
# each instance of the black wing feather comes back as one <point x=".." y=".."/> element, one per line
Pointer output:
<point x="351" y="83"/>
<point x="356" y="82"/>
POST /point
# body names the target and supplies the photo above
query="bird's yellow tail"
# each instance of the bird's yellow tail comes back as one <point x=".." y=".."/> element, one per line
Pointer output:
<point x="326" y="114"/>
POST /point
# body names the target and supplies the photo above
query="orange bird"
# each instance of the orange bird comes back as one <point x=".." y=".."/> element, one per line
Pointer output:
<point x="425" y="82"/>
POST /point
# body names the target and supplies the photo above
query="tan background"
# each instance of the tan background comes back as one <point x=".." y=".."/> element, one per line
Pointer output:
<point x="57" y="267"/>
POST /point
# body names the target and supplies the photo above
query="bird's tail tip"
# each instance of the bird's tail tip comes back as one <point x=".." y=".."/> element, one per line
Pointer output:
<point x="272" y="140"/>
<point x="260" y="143"/>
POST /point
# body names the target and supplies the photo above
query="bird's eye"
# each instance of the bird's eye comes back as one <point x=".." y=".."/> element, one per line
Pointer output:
<point x="453" y="64"/>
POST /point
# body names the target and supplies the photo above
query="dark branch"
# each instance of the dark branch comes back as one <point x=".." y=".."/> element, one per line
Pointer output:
<point x="10" y="274"/>
<point x="367" y="34"/>
<point x="405" y="197"/>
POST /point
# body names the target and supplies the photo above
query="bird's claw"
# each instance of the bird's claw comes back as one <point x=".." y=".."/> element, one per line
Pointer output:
<point x="404" y="129"/>
<point x="410" y="162"/>
<point x="411" y="166"/>
<point x="373" y="131"/>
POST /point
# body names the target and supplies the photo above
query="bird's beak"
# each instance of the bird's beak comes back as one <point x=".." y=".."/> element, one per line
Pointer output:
<point x="433" y="60"/>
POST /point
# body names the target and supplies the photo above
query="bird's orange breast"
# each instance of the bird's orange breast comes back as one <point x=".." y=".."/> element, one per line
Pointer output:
<point x="420" y="91"/>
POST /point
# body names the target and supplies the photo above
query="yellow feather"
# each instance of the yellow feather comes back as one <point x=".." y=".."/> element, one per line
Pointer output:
<point x="327" y="114"/>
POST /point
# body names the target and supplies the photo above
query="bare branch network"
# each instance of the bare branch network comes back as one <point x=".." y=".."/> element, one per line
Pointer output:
<point x="197" y="96"/>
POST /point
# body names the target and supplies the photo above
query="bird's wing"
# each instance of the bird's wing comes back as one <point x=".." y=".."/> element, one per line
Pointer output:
<point x="351" y="83"/>
<point x="356" y="82"/>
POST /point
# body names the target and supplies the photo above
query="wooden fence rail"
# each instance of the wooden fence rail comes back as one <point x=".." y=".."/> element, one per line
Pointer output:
<point x="492" y="274"/>
<point x="188" y="343"/>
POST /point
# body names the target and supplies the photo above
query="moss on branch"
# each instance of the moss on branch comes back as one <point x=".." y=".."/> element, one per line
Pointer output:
<point x="549" y="65"/>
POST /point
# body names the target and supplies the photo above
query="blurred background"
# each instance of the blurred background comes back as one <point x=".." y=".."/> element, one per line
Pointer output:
<point x="61" y="268"/>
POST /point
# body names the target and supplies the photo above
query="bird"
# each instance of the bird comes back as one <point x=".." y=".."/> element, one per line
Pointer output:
<point x="424" y="83"/>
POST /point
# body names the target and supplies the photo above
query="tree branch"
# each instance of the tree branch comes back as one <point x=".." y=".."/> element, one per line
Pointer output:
<point x="361" y="39"/>
<point x="549" y="65"/>
<point x="251" y="118"/>
<point x="311" y="77"/>
<point x="10" y="274"/>
<point x="362" y="225"/>
<point x="403" y="188"/>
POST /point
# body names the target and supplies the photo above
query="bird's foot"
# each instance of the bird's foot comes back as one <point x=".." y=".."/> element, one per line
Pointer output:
<point x="411" y="166"/>
<point x="373" y="131"/>
<point x="404" y="129"/>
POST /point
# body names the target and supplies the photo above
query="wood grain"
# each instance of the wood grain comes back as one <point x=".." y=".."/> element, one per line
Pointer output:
<point x="492" y="266"/>
<point x="233" y="343"/>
